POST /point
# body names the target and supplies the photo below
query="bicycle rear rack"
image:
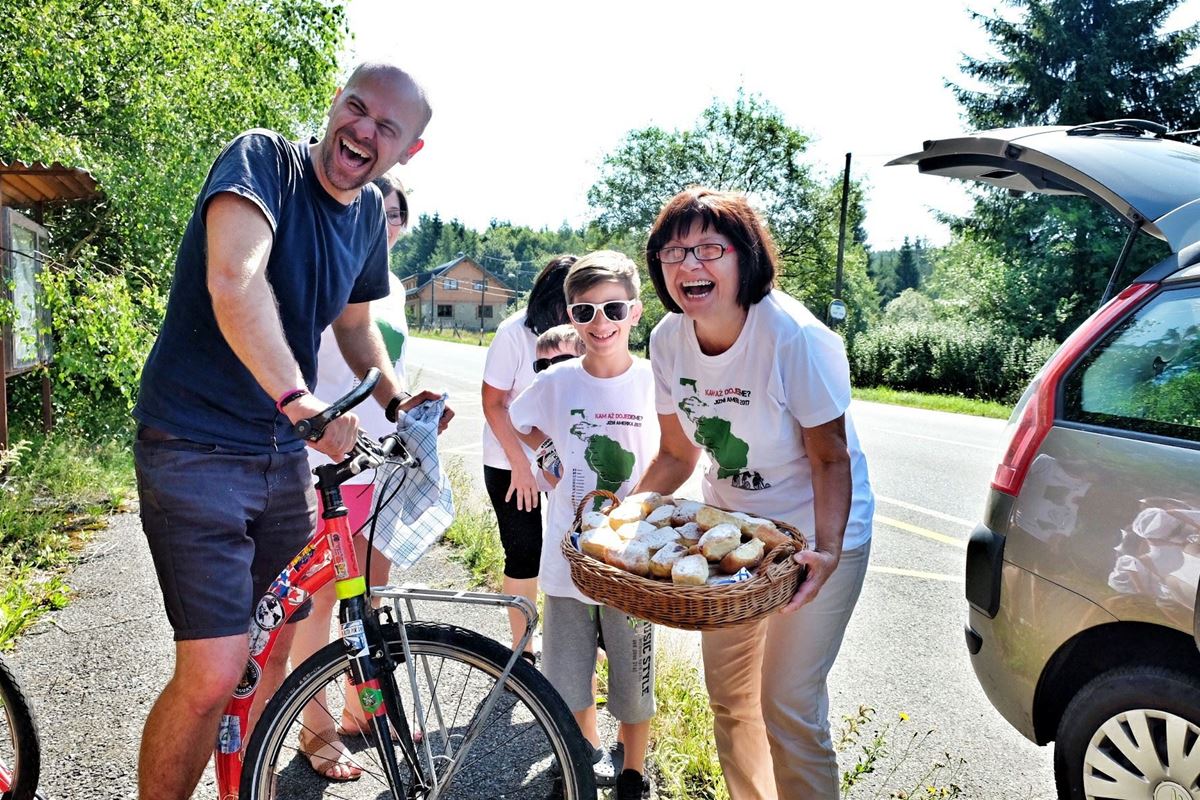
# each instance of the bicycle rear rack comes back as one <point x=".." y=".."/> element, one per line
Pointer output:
<point x="410" y="594"/>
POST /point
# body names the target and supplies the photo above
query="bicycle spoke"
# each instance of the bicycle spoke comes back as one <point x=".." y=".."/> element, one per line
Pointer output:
<point x="518" y="750"/>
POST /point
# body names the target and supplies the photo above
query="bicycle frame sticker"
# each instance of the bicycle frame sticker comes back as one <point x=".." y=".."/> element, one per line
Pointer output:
<point x="354" y="635"/>
<point x="324" y="561"/>
<point x="249" y="681"/>
<point x="229" y="740"/>
<point x="370" y="699"/>
<point x="280" y="586"/>
<point x="339" y="556"/>
<point x="259" y="638"/>
<point x="269" y="612"/>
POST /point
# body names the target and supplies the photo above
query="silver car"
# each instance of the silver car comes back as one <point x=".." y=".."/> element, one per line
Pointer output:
<point x="1082" y="579"/>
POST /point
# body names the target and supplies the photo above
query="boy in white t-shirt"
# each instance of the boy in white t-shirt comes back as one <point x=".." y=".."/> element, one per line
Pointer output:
<point x="599" y="412"/>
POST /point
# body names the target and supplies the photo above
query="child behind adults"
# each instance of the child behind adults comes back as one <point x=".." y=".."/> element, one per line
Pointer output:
<point x="599" y="412"/>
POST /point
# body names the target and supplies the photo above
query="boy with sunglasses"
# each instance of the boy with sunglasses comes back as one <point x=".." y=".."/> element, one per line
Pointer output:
<point x="599" y="413"/>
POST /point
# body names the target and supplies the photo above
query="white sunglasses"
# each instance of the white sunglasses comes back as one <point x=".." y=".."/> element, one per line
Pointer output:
<point x="614" y="310"/>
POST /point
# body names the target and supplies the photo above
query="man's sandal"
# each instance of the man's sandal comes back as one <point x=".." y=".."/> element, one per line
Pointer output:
<point x="327" y="755"/>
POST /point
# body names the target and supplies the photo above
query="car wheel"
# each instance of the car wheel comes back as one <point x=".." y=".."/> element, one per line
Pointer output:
<point x="1134" y="734"/>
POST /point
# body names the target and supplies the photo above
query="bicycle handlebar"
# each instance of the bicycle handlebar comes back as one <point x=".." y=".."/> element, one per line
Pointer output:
<point x="312" y="428"/>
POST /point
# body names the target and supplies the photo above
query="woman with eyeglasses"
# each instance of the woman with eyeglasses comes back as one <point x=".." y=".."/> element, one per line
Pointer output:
<point x="508" y="471"/>
<point x="319" y="741"/>
<point x="749" y="380"/>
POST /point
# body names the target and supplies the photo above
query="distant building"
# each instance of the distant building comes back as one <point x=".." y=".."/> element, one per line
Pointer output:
<point x="457" y="294"/>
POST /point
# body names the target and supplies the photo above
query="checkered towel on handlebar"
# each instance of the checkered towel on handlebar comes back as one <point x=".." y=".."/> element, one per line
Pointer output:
<point x="417" y="504"/>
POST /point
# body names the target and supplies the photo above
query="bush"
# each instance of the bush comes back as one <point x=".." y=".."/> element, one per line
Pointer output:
<point x="973" y="359"/>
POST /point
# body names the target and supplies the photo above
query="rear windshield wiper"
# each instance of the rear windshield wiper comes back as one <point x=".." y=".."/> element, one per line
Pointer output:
<point x="1121" y="127"/>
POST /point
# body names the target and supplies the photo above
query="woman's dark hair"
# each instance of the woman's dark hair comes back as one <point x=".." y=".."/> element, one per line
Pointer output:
<point x="389" y="184"/>
<point x="729" y="214"/>
<point x="547" y="302"/>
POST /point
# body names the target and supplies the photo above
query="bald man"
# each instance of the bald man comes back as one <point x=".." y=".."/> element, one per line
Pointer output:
<point x="286" y="238"/>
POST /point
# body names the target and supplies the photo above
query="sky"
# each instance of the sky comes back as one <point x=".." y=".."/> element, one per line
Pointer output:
<point x="529" y="96"/>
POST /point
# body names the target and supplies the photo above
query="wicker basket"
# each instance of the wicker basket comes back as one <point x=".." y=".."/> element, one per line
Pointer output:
<point x="694" y="608"/>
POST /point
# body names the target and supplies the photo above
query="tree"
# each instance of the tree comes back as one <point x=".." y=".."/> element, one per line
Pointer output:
<point x="144" y="95"/>
<point x="747" y="146"/>
<point x="1066" y="62"/>
<point x="907" y="275"/>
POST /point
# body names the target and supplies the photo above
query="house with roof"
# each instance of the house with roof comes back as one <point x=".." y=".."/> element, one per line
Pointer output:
<point x="457" y="294"/>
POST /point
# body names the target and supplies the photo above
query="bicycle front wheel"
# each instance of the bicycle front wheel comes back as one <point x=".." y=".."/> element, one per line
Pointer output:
<point x="20" y="753"/>
<point x="527" y="747"/>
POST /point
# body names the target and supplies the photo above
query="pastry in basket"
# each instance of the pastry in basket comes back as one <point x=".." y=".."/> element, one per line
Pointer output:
<point x="762" y="529"/>
<point x="685" y="511"/>
<point x="747" y="555"/>
<point x="661" y="516"/>
<point x="632" y="530"/>
<point x="598" y="541"/>
<point x="647" y="500"/>
<point x="689" y="532"/>
<point x="662" y="561"/>
<point x="593" y="519"/>
<point x="690" y="571"/>
<point x="632" y="556"/>
<point x="657" y="539"/>
<point x="626" y="513"/>
<point x="708" y="517"/>
<point x="719" y="540"/>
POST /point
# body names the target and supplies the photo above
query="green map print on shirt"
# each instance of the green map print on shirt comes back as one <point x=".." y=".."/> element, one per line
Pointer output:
<point x="393" y="339"/>
<point x="714" y="434"/>
<point x="612" y="463"/>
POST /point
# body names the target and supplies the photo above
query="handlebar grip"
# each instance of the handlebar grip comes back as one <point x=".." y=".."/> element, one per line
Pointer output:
<point x="312" y="428"/>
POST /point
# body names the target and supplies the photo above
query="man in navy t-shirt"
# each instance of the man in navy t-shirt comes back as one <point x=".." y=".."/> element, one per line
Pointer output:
<point x="284" y="241"/>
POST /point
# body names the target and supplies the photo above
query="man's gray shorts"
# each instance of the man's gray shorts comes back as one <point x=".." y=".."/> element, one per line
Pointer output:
<point x="220" y="525"/>
<point x="570" y="636"/>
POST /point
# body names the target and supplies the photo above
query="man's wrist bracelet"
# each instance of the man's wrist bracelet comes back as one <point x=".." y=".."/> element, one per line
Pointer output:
<point x="393" y="406"/>
<point x="289" y="396"/>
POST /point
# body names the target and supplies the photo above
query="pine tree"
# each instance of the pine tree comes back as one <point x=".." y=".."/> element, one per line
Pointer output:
<point x="1067" y="62"/>
<point x="907" y="275"/>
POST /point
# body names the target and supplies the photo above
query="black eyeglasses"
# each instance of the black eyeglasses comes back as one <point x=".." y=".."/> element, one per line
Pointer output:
<point x="541" y="364"/>
<point x="703" y="252"/>
<point x="615" y="310"/>
<point x="396" y="219"/>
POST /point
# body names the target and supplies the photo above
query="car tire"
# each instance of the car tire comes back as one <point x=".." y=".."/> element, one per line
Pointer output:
<point x="1114" y="732"/>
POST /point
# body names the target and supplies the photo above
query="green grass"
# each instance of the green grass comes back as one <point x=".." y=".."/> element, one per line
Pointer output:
<point x="681" y="742"/>
<point x="934" y="402"/>
<point x="474" y="533"/>
<point x="54" y="492"/>
<point x="461" y="337"/>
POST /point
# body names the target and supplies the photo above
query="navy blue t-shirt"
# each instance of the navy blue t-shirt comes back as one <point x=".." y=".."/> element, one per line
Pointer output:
<point x="324" y="255"/>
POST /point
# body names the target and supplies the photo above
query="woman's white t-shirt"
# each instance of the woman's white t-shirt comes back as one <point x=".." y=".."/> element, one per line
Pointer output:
<point x="745" y="408"/>
<point x="509" y="368"/>
<point x="605" y="432"/>
<point x="335" y="378"/>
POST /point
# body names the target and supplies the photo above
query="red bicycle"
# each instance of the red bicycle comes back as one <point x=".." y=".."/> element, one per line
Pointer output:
<point x="452" y="713"/>
<point x="20" y="751"/>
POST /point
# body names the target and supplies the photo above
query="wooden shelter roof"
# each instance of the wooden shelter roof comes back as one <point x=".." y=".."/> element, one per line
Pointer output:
<point x="24" y="184"/>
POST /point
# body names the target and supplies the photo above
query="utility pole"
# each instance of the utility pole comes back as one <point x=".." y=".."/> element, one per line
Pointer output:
<point x="482" y="287"/>
<point x="433" y="317"/>
<point x="837" y="308"/>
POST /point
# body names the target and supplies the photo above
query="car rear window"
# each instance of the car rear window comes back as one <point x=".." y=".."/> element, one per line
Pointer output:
<point x="1144" y="376"/>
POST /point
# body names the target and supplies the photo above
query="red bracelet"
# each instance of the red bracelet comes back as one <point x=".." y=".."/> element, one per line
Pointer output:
<point x="288" y="397"/>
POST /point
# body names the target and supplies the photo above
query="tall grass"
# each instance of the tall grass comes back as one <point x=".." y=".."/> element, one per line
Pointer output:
<point x="54" y="491"/>
<point x="474" y="534"/>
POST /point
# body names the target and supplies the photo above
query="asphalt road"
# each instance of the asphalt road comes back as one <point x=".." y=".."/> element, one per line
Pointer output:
<point x="94" y="668"/>
<point x="904" y="651"/>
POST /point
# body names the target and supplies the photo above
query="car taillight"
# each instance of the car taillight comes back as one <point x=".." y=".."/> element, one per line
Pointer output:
<point x="1034" y="415"/>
